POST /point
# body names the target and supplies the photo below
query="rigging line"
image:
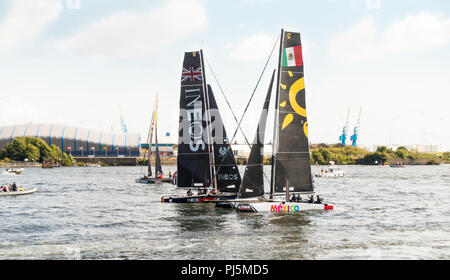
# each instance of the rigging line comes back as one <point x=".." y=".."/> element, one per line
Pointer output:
<point x="248" y="103"/>
<point x="251" y="97"/>
<point x="229" y="106"/>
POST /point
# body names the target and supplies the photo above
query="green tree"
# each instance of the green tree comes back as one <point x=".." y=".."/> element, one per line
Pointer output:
<point x="32" y="153"/>
<point x="44" y="149"/>
<point x="15" y="150"/>
<point x="34" y="149"/>
<point x="401" y="153"/>
<point x="373" y="158"/>
<point x="381" y="149"/>
<point x="317" y="157"/>
<point x="326" y="154"/>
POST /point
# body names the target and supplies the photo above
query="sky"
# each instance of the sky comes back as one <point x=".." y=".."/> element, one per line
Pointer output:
<point x="73" y="62"/>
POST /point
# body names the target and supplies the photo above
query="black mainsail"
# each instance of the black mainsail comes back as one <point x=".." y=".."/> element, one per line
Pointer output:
<point x="193" y="161"/>
<point x="227" y="172"/>
<point x="291" y="162"/>
<point x="253" y="180"/>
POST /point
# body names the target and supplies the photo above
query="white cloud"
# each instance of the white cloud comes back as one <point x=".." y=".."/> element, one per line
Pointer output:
<point x="253" y="48"/>
<point x="130" y="34"/>
<point x="27" y="19"/>
<point x="414" y="33"/>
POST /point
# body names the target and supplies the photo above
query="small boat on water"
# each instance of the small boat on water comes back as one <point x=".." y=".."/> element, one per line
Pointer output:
<point x="205" y="159"/>
<point x="47" y="163"/>
<point x="330" y="172"/>
<point x="87" y="164"/>
<point x="291" y="174"/>
<point x="147" y="178"/>
<point x="397" y="165"/>
<point x="14" y="170"/>
<point x="20" y="191"/>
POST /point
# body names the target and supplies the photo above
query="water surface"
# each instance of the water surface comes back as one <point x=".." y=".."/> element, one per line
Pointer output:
<point x="100" y="213"/>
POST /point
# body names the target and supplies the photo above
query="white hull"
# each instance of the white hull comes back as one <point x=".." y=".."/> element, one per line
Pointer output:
<point x="281" y="207"/>
<point x="14" y="171"/>
<point x="24" y="192"/>
<point x="332" y="175"/>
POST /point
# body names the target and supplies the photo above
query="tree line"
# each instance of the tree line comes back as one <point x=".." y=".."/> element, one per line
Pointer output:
<point x="322" y="154"/>
<point x="34" y="149"/>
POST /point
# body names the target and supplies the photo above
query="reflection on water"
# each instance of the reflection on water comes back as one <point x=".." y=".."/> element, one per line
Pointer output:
<point x="98" y="213"/>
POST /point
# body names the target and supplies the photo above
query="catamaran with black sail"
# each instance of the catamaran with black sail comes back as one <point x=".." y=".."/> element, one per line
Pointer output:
<point x="206" y="166"/>
<point x="291" y="163"/>
<point x="147" y="178"/>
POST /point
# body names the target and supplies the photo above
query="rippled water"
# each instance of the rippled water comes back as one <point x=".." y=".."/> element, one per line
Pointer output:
<point x="100" y="213"/>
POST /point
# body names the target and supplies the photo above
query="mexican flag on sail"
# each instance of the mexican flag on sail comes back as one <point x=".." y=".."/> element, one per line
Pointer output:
<point x="292" y="56"/>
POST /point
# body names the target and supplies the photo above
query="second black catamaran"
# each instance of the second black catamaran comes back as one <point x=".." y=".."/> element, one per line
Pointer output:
<point x="206" y="166"/>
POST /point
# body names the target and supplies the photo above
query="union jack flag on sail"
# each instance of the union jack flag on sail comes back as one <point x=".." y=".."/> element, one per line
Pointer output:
<point x="191" y="74"/>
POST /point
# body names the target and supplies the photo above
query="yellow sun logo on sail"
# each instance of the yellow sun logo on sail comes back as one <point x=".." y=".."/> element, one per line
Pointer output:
<point x="294" y="90"/>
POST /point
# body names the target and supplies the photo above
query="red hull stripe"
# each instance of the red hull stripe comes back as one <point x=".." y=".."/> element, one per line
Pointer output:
<point x="298" y="55"/>
<point x="328" y="207"/>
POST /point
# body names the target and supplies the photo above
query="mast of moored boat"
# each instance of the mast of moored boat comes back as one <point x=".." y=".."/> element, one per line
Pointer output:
<point x="275" y="123"/>
<point x="149" y="140"/>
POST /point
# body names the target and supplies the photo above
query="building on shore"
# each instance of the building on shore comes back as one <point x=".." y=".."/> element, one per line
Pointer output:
<point x="420" y="148"/>
<point x="165" y="149"/>
<point x="79" y="142"/>
<point x="242" y="151"/>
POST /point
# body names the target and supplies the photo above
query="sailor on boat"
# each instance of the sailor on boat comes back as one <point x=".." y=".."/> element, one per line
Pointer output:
<point x="13" y="190"/>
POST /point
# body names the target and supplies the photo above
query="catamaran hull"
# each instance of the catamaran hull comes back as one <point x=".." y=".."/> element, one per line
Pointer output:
<point x="281" y="207"/>
<point x="197" y="198"/>
<point x="153" y="180"/>
<point x="24" y="192"/>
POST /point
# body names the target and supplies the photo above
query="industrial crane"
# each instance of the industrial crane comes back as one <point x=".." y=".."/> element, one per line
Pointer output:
<point x="122" y="122"/>
<point x="354" y="137"/>
<point x="343" y="137"/>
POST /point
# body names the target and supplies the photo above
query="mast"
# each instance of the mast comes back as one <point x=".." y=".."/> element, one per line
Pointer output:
<point x="212" y="161"/>
<point x="275" y="124"/>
